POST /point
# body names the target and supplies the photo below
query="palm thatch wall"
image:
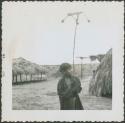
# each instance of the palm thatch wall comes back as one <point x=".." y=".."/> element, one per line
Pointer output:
<point x="101" y="82"/>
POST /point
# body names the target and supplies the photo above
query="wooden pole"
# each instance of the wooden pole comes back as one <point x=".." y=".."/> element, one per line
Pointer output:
<point x="16" y="78"/>
<point x="74" y="41"/>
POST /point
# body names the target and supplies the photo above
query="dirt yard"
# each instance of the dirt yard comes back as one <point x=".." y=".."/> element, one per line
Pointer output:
<point x="43" y="96"/>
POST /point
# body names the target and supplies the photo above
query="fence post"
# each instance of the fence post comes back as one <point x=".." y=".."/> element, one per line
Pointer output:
<point x="31" y="77"/>
<point x="41" y="75"/>
<point x="20" y="77"/>
<point x="26" y="77"/>
<point x="16" y="78"/>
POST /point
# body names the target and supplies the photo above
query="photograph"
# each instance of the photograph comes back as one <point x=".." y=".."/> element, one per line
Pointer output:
<point x="61" y="55"/>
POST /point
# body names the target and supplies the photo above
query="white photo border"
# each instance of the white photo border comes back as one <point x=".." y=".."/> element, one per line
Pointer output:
<point x="116" y="114"/>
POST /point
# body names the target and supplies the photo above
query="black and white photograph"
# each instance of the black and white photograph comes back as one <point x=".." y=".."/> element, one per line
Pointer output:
<point x="61" y="56"/>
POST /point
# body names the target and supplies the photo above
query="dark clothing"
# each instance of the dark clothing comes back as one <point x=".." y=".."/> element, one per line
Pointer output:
<point x="78" y="104"/>
<point x="67" y="104"/>
<point x="68" y="89"/>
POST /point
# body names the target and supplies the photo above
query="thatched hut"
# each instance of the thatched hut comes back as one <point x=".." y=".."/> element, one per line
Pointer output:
<point x="101" y="83"/>
<point x="28" y="71"/>
<point x="17" y="71"/>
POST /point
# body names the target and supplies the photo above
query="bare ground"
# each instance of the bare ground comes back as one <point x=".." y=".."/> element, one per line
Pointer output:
<point x="43" y="96"/>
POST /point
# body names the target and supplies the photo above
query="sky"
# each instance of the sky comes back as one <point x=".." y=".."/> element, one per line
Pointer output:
<point x="33" y="30"/>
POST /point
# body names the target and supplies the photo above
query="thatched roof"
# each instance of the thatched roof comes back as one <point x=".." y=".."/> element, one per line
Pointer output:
<point x="20" y="65"/>
<point x="17" y="70"/>
<point x="101" y="83"/>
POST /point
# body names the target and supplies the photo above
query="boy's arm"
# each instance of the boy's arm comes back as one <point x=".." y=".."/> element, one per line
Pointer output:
<point x="63" y="93"/>
<point x="77" y="85"/>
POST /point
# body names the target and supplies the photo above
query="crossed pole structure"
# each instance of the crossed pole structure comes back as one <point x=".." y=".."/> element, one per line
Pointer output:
<point x="81" y="57"/>
<point x="75" y="16"/>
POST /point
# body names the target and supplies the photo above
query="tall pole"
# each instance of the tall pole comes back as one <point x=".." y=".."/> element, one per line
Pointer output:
<point x="74" y="43"/>
<point x="81" y="68"/>
<point x="76" y="14"/>
<point x="74" y="40"/>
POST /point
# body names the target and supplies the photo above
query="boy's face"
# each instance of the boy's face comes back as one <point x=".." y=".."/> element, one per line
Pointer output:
<point x="70" y="71"/>
<point x="67" y="72"/>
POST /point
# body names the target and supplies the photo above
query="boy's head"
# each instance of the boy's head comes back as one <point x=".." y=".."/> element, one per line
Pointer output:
<point x="65" y="67"/>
